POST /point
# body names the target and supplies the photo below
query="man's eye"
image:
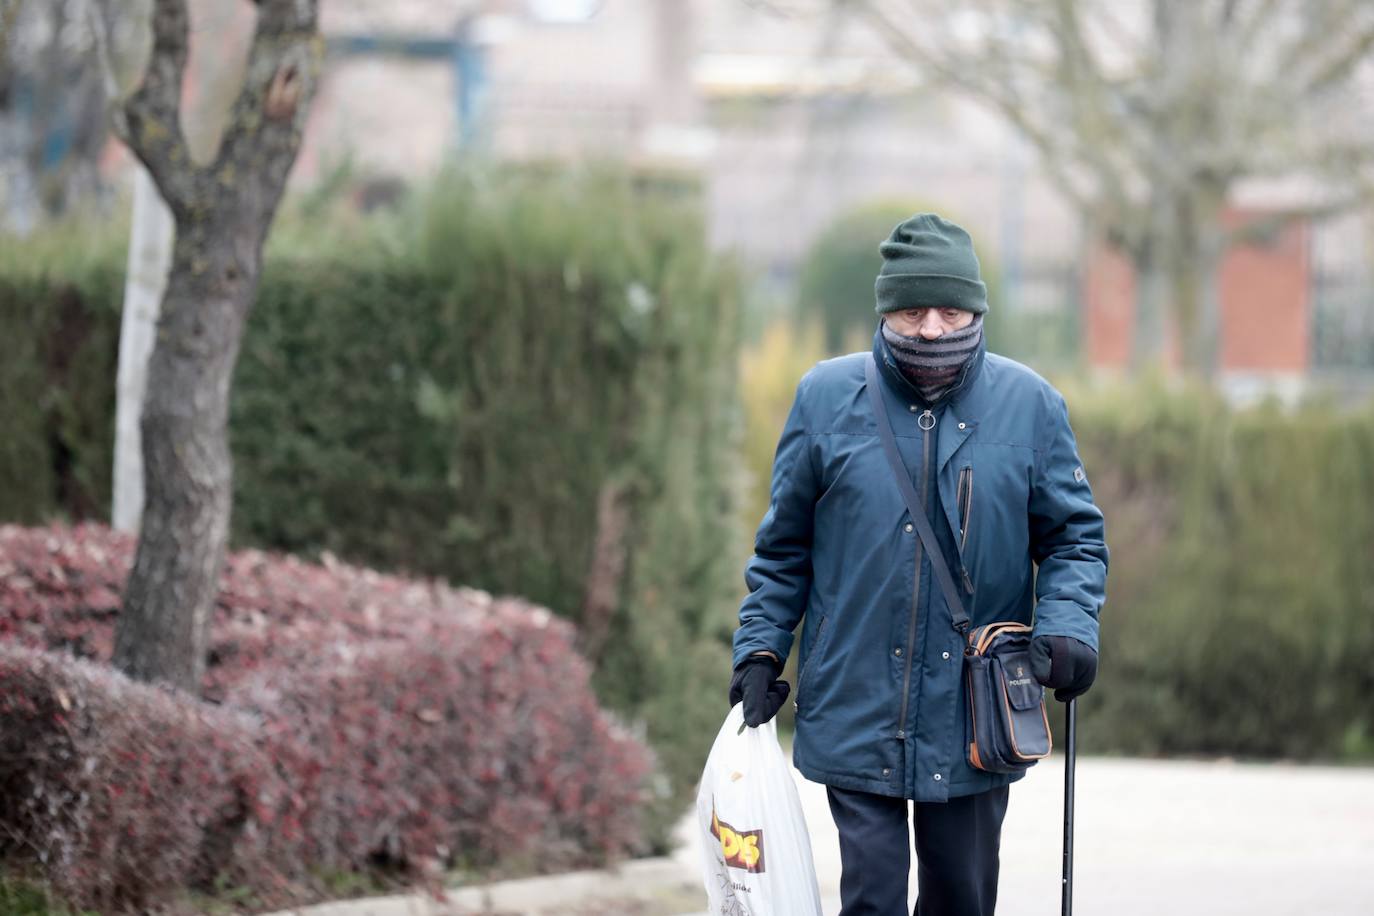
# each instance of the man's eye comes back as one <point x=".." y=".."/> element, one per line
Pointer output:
<point x="950" y="313"/>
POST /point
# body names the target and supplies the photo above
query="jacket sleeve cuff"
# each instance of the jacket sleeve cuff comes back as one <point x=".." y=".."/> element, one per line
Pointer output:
<point x="1064" y="618"/>
<point x="762" y="638"/>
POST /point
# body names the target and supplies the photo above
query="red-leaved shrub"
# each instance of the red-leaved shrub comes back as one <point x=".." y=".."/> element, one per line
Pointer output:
<point x="121" y="791"/>
<point x="476" y="736"/>
<point x="363" y="719"/>
<point x="60" y="588"/>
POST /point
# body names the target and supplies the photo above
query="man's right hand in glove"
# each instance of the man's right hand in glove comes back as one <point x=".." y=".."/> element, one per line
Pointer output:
<point x="756" y="684"/>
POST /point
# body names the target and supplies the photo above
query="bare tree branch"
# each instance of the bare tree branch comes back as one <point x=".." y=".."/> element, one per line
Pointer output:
<point x="153" y="112"/>
<point x="1260" y="16"/>
<point x="995" y="85"/>
<point x="1146" y="136"/>
<point x="282" y="65"/>
<point x="1083" y="86"/>
<point x="811" y="10"/>
<point x="1127" y="40"/>
<point x="1338" y="67"/>
<point x="9" y="16"/>
<point x="1324" y="25"/>
<point x="119" y="122"/>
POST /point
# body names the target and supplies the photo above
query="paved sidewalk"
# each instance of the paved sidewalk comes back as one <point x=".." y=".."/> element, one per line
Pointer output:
<point x="1168" y="837"/>
<point x="1153" y="838"/>
<point x="643" y="887"/>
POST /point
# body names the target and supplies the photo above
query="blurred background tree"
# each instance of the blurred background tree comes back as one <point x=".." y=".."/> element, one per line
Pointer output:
<point x="1149" y="116"/>
<point x="52" y="97"/>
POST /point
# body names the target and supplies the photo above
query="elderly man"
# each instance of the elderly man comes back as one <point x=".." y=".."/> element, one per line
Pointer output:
<point x="880" y="708"/>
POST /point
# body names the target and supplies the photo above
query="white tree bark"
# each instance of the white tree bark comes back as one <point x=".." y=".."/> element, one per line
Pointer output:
<point x="150" y="257"/>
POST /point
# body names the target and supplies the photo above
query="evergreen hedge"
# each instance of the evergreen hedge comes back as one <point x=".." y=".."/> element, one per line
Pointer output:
<point x="519" y="369"/>
<point x="1239" y="608"/>
<point x="59" y="345"/>
<point x="514" y="378"/>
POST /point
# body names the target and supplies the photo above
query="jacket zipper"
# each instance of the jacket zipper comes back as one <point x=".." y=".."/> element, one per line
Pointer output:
<point x="801" y="675"/>
<point x="916" y="579"/>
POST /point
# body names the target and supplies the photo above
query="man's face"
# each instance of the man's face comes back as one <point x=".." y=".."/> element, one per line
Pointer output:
<point x="928" y="323"/>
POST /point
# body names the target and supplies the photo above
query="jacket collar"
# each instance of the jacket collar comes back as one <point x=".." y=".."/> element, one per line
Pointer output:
<point x="959" y="411"/>
<point x="902" y="386"/>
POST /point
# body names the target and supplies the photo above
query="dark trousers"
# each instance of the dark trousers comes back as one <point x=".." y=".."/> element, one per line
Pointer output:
<point x="956" y="853"/>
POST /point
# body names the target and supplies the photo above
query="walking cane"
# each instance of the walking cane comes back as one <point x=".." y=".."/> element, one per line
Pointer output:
<point x="1066" y="906"/>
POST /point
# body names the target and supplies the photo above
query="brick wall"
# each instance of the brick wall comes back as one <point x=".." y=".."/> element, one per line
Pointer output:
<point x="1265" y="292"/>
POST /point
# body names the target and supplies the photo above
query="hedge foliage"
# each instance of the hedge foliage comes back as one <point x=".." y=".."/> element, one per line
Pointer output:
<point x="1238" y="617"/>
<point x="521" y="381"/>
<point x="59" y="345"/>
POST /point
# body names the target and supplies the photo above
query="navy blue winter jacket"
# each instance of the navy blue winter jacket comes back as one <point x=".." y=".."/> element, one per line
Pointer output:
<point x="879" y="699"/>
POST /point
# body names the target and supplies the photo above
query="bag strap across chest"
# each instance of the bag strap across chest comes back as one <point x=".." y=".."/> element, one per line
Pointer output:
<point x="912" y="500"/>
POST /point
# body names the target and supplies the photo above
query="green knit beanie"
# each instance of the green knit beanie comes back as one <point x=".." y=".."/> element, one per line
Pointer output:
<point x="928" y="262"/>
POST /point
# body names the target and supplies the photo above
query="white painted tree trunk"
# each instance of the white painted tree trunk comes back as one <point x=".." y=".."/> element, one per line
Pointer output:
<point x="150" y="257"/>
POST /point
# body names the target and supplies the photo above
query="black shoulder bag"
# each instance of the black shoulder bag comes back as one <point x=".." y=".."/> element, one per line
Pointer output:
<point x="1007" y="730"/>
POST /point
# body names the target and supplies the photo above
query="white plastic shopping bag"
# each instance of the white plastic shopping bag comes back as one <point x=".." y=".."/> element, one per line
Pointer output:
<point x="756" y="853"/>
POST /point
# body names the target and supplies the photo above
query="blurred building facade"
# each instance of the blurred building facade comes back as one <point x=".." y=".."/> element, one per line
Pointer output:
<point x="1265" y="298"/>
<point x="790" y="122"/>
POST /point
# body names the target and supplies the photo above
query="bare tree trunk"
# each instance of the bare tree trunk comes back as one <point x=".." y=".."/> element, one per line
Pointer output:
<point x="1201" y="268"/>
<point x="1197" y="303"/>
<point x="1208" y="357"/>
<point x="187" y="475"/>
<point x="1195" y="245"/>
<point x="222" y="212"/>
<point x="609" y="553"/>
<point x="1151" y="304"/>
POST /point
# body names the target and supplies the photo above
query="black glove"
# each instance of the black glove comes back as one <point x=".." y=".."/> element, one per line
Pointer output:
<point x="1065" y="663"/>
<point x="756" y="684"/>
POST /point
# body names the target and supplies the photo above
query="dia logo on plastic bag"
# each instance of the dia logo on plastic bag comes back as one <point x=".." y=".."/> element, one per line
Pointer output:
<point x="741" y="848"/>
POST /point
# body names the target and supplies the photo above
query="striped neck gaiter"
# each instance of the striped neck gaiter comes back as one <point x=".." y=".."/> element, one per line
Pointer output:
<point x="933" y="366"/>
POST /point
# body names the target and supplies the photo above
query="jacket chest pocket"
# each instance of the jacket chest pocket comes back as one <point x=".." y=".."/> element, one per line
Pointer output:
<point x="964" y="499"/>
<point x="992" y="494"/>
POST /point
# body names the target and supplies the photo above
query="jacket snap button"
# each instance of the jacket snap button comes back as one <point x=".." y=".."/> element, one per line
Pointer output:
<point x="886" y="771"/>
<point x="908" y="526"/>
<point x="937" y="777"/>
<point x="945" y="656"/>
<point x="897" y="651"/>
<point x="962" y="426"/>
<point x="912" y="408"/>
